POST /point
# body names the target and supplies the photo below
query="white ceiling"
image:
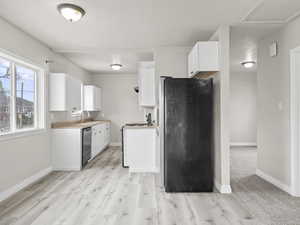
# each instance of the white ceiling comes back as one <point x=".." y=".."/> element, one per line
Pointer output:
<point x="126" y="30"/>
<point x="99" y="60"/>
<point x="110" y="26"/>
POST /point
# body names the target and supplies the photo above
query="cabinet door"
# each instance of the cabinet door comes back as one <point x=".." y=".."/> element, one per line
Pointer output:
<point x="195" y="59"/>
<point x="102" y="139"/>
<point x="64" y="93"/>
<point x="92" y="98"/>
<point x="192" y="61"/>
<point x="58" y="92"/>
<point x="208" y="57"/>
<point x="98" y="98"/>
<point x="147" y="84"/>
<point x="88" y="98"/>
<point x="107" y="134"/>
<point x="73" y="94"/>
<point x="94" y="142"/>
<point x="190" y="64"/>
<point x="98" y="136"/>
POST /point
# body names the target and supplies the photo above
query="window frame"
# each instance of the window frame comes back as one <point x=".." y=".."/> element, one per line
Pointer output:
<point x="35" y="125"/>
<point x="39" y="98"/>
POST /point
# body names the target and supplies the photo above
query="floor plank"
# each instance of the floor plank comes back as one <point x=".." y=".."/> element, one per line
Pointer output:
<point x="104" y="193"/>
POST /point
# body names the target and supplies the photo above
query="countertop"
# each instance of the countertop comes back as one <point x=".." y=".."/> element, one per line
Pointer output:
<point x="77" y="125"/>
<point x="140" y="127"/>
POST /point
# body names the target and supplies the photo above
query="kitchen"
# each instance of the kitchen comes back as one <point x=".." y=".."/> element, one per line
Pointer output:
<point x="76" y="143"/>
<point x="110" y="117"/>
<point x="82" y="128"/>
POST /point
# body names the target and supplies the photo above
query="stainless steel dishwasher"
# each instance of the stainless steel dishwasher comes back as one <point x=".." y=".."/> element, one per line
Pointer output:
<point x="86" y="145"/>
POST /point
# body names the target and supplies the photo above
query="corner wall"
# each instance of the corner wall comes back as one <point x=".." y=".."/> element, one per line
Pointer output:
<point x="274" y="156"/>
<point x="119" y="101"/>
<point x="171" y="61"/>
<point x="222" y="112"/>
<point x="243" y="115"/>
<point x="24" y="157"/>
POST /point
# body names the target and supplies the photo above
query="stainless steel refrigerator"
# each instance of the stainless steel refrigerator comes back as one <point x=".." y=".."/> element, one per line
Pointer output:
<point x="186" y="126"/>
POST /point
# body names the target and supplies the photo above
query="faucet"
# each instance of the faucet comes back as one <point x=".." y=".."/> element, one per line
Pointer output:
<point x="149" y="119"/>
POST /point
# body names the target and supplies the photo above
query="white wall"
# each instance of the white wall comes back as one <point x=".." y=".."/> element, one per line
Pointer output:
<point x="273" y="92"/>
<point x="119" y="101"/>
<point x="222" y="112"/>
<point x="23" y="157"/>
<point x="243" y="93"/>
<point x="171" y="61"/>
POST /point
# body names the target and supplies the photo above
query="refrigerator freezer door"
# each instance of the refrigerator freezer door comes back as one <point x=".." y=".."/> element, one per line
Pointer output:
<point x="188" y="135"/>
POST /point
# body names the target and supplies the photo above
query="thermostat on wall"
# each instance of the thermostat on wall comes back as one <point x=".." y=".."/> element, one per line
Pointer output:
<point x="273" y="49"/>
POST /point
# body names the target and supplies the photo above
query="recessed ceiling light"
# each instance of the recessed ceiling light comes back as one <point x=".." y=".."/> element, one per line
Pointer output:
<point x="248" y="64"/>
<point x="71" y="12"/>
<point x="116" y="66"/>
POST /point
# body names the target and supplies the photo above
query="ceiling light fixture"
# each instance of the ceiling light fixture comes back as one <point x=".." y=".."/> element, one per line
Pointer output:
<point x="248" y="64"/>
<point x="116" y="66"/>
<point x="71" y="12"/>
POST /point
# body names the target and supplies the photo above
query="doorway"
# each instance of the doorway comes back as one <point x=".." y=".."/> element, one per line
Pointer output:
<point x="243" y="104"/>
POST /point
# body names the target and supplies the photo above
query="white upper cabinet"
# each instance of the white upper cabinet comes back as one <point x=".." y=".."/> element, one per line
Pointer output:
<point x="146" y="82"/>
<point x="92" y="98"/>
<point x="203" y="57"/>
<point x="64" y="93"/>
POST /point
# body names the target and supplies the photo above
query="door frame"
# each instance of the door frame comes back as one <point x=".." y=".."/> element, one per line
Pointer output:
<point x="295" y="121"/>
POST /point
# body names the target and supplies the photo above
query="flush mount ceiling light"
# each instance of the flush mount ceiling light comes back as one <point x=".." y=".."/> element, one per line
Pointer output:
<point x="116" y="66"/>
<point x="248" y="64"/>
<point x="71" y="12"/>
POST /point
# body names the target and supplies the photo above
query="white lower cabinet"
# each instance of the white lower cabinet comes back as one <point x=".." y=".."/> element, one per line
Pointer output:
<point x="100" y="138"/>
<point x="66" y="149"/>
<point x="140" y="148"/>
<point x="66" y="146"/>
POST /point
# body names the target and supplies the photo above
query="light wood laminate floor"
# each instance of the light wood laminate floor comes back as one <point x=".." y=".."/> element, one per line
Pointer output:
<point x="104" y="193"/>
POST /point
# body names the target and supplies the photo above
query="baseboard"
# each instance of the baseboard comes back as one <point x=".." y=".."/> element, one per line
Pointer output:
<point x="30" y="180"/>
<point x="143" y="170"/>
<point x="68" y="169"/>
<point x="273" y="181"/>
<point x="223" y="189"/>
<point x="115" y="144"/>
<point x="243" y="144"/>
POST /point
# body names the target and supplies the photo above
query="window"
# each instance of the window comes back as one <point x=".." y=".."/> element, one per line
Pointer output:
<point x="20" y="97"/>
<point x="25" y="97"/>
<point x="5" y="92"/>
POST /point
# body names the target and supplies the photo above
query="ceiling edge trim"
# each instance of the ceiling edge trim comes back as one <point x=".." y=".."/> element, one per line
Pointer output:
<point x="294" y="16"/>
<point x="256" y="6"/>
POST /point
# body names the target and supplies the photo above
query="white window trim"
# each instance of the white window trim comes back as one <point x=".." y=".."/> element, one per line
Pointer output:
<point x="22" y="133"/>
<point x="40" y="99"/>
